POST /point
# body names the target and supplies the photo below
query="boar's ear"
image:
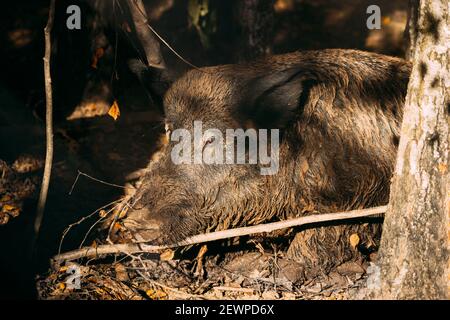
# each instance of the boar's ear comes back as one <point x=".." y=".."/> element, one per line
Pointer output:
<point x="277" y="99"/>
<point x="156" y="81"/>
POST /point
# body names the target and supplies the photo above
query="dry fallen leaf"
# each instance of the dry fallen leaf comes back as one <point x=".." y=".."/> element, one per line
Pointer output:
<point x="156" y="294"/>
<point x="116" y="227"/>
<point x="114" y="111"/>
<point x="354" y="240"/>
<point x="121" y="272"/>
<point x="8" y="207"/>
<point x="5" y="198"/>
<point x="97" y="55"/>
<point x="4" y="218"/>
<point x="11" y="210"/>
<point x="167" y="255"/>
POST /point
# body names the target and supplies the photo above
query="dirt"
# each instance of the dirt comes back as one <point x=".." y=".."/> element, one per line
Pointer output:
<point x="142" y="278"/>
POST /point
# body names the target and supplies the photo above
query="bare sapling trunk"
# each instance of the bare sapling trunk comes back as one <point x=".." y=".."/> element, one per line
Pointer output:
<point x="413" y="258"/>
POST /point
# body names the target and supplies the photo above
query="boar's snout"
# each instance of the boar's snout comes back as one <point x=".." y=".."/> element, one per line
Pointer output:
<point x="142" y="226"/>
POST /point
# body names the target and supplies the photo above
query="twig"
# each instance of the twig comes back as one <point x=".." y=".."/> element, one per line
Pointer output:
<point x="97" y="222"/>
<point x="48" y="122"/>
<point x="181" y="294"/>
<point x="92" y="178"/>
<point x="218" y="235"/>
<point x="70" y="226"/>
<point x="224" y="288"/>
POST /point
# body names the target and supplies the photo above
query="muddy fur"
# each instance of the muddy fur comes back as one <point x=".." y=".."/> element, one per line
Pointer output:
<point x="339" y="112"/>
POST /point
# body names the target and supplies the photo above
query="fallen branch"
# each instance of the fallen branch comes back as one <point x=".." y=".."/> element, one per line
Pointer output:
<point x="148" y="41"/>
<point x="131" y="248"/>
<point x="48" y="122"/>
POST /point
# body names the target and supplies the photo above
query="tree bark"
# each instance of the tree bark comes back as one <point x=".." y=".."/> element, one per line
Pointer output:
<point x="48" y="122"/>
<point x="145" y="35"/>
<point x="255" y="20"/>
<point x="410" y="34"/>
<point x="413" y="257"/>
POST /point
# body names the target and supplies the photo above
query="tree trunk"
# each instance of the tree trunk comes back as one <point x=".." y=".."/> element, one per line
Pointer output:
<point x="255" y="20"/>
<point x="410" y="33"/>
<point x="146" y="37"/>
<point x="414" y="251"/>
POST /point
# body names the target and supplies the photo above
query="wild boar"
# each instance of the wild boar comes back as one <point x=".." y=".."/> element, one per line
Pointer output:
<point x="338" y="113"/>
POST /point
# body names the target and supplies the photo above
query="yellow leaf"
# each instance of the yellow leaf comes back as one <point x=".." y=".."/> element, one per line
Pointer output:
<point x="114" y="111"/>
<point x="63" y="269"/>
<point x="386" y="20"/>
<point x="61" y="286"/>
<point x="11" y="210"/>
<point x="7" y="208"/>
<point x="354" y="240"/>
<point x="167" y="255"/>
<point x="156" y="294"/>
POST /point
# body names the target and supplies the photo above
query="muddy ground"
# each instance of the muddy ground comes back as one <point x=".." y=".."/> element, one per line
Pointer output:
<point x="91" y="142"/>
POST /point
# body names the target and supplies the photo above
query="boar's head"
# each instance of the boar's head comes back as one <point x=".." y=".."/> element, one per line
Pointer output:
<point x="178" y="200"/>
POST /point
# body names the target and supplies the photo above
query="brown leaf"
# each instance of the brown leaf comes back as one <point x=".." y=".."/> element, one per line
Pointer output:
<point x="114" y="111"/>
<point x="11" y="210"/>
<point x="354" y="240"/>
<point x="99" y="52"/>
<point x="156" y="294"/>
<point x="167" y="255"/>
<point x="121" y="273"/>
<point x="5" y="198"/>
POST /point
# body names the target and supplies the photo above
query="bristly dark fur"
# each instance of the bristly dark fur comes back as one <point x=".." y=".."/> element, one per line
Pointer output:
<point x="339" y="112"/>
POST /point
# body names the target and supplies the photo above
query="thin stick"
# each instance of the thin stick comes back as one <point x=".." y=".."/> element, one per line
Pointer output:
<point x="66" y="231"/>
<point x="95" y="179"/>
<point x="48" y="122"/>
<point x="224" y="288"/>
<point x="218" y="235"/>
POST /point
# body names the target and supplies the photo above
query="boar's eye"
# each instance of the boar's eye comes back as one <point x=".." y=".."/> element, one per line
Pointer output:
<point x="209" y="141"/>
